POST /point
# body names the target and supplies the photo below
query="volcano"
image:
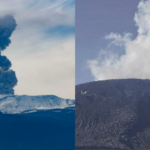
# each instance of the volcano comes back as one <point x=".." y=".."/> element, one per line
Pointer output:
<point x="113" y="114"/>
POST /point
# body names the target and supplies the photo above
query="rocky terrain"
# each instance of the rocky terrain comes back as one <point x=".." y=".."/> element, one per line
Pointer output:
<point x="113" y="114"/>
<point x="13" y="104"/>
<point x="36" y="122"/>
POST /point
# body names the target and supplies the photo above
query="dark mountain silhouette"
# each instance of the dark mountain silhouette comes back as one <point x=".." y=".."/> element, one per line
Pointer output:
<point x="113" y="114"/>
<point x="42" y="130"/>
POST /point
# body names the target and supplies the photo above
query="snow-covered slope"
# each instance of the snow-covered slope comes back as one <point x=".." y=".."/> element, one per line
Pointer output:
<point x="11" y="104"/>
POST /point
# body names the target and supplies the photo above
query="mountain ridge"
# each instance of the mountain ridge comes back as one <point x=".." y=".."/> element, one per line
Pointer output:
<point x="12" y="104"/>
<point x="113" y="114"/>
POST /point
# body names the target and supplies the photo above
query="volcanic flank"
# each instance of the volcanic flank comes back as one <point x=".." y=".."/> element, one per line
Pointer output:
<point x="113" y="114"/>
<point x="7" y="76"/>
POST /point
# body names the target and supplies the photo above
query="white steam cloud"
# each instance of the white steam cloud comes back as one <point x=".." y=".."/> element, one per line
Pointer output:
<point x="135" y="63"/>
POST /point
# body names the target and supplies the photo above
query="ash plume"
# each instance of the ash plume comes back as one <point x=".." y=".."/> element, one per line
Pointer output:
<point x="7" y="76"/>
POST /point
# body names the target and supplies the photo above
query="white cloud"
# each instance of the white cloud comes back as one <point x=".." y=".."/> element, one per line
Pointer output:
<point x="38" y="13"/>
<point x="47" y="72"/>
<point x="44" y="64"/>
<point x="117" y="39"/>
<point x="136" y="60"/>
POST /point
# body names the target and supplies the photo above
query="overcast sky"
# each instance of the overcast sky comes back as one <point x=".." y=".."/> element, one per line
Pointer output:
<point x="107" y="30"/>
<point x="42" y="49"/>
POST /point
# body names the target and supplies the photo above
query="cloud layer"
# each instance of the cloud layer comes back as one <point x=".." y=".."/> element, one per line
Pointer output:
<point x="44" y="60"/>
<point x="135" y="62"/>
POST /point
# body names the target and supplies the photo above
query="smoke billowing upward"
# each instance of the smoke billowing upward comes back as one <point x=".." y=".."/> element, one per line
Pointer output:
<point x="7" y="76"/>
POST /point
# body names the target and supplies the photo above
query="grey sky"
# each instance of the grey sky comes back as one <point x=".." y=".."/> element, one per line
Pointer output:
<point x="94" y="20"/>
<point x="42" y="46"/>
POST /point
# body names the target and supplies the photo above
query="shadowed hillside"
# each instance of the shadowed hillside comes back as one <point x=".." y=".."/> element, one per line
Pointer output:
<point x="42" y="130"/>
<point x="113" y="114"/>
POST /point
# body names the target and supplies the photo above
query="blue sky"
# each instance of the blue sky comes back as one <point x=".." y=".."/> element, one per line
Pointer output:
<point x="42" y="47"/>
<point x="60" y="31"/>
<point x="94" y="20"/>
